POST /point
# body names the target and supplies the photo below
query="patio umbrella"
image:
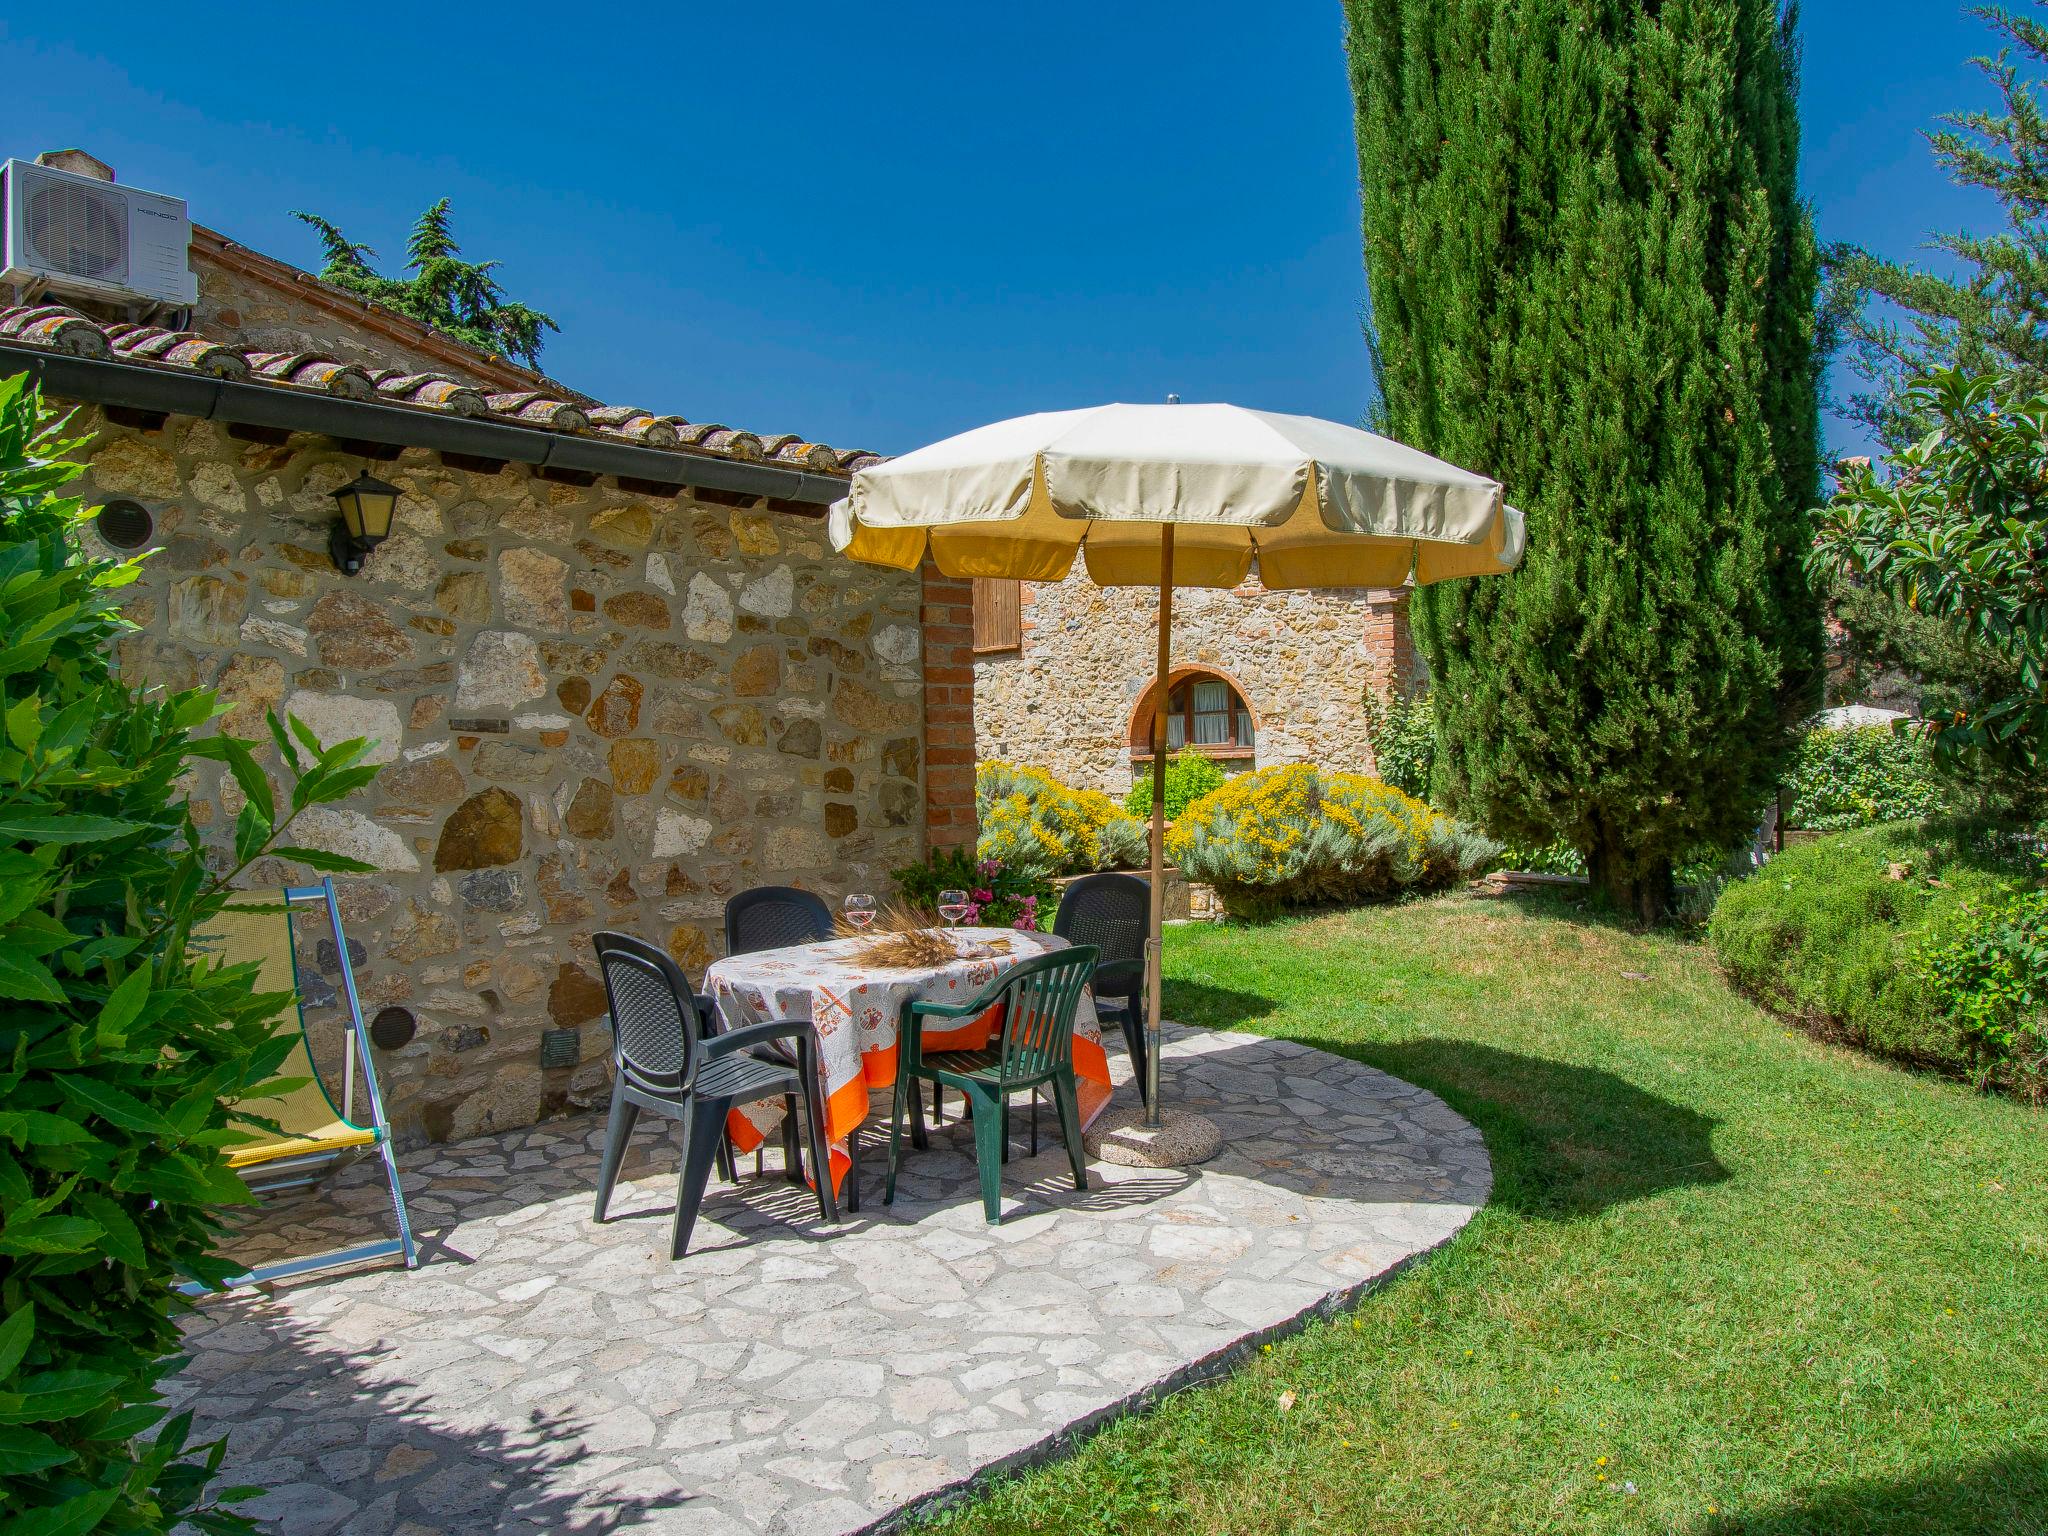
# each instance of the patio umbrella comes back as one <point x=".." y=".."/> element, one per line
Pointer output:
<point x="1178" y="495"/>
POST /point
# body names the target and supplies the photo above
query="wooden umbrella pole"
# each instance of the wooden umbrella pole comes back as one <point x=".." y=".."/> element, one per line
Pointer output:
<point x="1154" y="941"/>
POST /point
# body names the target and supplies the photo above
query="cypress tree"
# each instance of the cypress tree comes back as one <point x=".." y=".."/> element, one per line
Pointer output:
<point x="1592" y="278"/>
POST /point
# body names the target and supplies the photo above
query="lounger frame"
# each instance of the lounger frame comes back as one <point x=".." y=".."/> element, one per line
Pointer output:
<point x="308" y="1168"/>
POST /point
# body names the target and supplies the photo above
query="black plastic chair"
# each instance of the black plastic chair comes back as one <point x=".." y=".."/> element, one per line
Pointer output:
<point x="1113" y="913"/>
<point x="775" y="917"/>
<point x="664" y="1062"/>
<point x="1039" y="998"/>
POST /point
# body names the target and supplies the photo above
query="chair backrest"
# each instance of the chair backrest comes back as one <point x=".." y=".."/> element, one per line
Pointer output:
<point x="653" y="1014"/>
<point x="1112" y="912"/>
<point x="775" y="917"/>
<point x="1039" y="997"/>
<point x="258" y="927"/>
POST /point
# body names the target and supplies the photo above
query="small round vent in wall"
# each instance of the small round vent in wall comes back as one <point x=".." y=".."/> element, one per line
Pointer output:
<point x="79" y="230"/>
<point x="125" y="524"/>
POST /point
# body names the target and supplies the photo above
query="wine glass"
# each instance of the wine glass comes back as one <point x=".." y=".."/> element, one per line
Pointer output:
<point x="953" y="906"/>
<point x="859" y="907"/>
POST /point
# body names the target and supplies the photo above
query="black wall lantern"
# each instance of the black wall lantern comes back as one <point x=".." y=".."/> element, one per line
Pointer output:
<point x="366" y="507"/>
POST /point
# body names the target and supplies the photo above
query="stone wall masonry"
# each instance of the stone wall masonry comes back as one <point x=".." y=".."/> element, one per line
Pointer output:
<point x="593" y="710"/>
<point x="1302" y="659"/>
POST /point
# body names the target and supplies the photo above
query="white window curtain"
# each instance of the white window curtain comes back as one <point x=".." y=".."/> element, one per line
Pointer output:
<point x="1212" y="714"/>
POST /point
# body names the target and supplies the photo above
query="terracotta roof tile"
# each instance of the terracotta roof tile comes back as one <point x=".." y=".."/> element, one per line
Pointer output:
<point x="537" y="409"/>
<point x="56" y="328"/>
<point x="53" y="326"/>
<point x="187" y="349"/>
<point x="641" y="426"/>
<point x="733" y="443"/>
<point x="313" y="370"/>
<point x="451" y="395"/>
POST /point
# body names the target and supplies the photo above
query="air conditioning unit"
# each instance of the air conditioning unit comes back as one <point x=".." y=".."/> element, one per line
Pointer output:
<point x="75" y="234"/>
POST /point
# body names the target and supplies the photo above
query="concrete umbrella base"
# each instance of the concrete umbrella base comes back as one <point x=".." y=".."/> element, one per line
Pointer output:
<point x="1180" y="1139"/>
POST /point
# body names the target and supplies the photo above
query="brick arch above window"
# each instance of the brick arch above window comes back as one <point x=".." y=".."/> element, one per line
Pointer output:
<point x="1200" y="713"/>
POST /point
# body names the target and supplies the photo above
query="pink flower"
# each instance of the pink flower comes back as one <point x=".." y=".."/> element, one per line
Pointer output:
<point x="984" y="895"/>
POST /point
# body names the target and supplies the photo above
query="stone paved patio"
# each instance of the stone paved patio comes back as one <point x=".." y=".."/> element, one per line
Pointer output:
<point x="542" y="1373"/>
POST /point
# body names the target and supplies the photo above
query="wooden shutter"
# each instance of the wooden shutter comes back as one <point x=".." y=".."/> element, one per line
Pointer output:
<point x="998" y="623"/>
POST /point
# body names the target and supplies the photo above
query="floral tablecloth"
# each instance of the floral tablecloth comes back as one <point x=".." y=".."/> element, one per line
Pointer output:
<point x="856" y="1006"/>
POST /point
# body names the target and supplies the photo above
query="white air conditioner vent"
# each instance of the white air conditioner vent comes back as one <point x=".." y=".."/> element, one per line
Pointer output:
<point x="73" y="233"/>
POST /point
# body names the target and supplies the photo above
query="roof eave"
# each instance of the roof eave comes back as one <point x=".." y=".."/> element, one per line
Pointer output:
<point x="181" y="392"/>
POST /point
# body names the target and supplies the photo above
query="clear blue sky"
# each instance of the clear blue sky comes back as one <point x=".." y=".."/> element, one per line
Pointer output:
<point x="872" y="225"/>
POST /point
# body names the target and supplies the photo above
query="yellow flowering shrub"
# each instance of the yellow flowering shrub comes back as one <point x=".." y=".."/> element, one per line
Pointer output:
<point x="1294" y="837"/>
<point x="1036" y="824"/>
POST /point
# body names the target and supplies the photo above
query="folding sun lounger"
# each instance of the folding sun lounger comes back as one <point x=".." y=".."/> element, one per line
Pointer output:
<point x="317" y="1132"/>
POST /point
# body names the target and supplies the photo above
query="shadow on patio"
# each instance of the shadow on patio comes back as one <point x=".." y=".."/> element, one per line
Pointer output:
<point x="342" y="1440"/>
<point x="823" y="1377"/>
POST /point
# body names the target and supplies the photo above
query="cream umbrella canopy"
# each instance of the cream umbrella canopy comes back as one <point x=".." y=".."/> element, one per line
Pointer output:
<point x="1178" y="495"/>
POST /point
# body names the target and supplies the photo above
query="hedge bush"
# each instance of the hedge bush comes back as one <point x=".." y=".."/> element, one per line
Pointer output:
<point x="1295" y="837"/>
<point x="1859" y="777"/>
<point x="1403" y="730"/>
<point x="1882" y="937"/>
<point x="1189" y="776"/>
<point x="1037" y="826"/>
<point x="120" y="1052"/>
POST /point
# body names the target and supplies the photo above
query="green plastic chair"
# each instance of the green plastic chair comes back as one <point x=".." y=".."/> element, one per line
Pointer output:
<point x="1039" y="998"/>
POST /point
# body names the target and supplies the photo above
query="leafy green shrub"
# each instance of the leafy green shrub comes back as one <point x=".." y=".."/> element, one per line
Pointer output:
<point x="1989" y="970"/>
<point x="1189" y="776"/>
<point x="1032" y="823"/>
<point x="1403" y="731"/>
<point x="120" y="1052"/>
<point x="1002" y="897"/>
<point x="1835" y="934"/>
<point x="1293" y="837"/>
<point x="1859" y="777"/>
<point x="1557" y="859"/>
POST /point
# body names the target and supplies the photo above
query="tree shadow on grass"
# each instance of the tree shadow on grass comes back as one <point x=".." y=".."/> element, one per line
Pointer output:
<point x="1200" y="1004"/>
<point x="1565" y="1140"/>
<point x="2007" y="1494"/>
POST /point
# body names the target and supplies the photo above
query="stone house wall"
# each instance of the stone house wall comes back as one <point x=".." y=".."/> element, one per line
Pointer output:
<point x="593" y="709"/>
<point x="1302" y="660"/>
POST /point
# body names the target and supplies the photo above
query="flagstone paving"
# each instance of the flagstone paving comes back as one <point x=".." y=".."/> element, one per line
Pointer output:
<point x="539" y="1372"/>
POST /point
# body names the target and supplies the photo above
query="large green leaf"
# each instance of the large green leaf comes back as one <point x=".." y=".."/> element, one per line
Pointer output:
<point x="25" y="722"/>
<point x="49" y="1234"/>
<point x="24" y="1450"/>
<point x="114" y="1104"/>
<point x="34" y="827"/>
<point x="124" y="1006"/>
<point x="74" y="1517"/>
<point x="23" y="1126"/>
<point x="120" y="1236"/>
<point x="324" y="861"/>
<point x="15" y="1334"/>
<point x="25" y="977"/>
<point x="50" y="1396"/>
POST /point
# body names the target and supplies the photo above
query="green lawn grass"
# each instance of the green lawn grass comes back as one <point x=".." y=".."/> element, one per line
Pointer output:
<point x="1731" y="1280"/>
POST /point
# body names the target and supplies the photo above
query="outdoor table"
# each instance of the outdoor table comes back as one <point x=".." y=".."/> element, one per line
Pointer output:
<point x="856" y="1006"/>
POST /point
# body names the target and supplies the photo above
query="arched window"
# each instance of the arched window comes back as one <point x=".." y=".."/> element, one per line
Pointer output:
<point x="1204" y="710"/>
